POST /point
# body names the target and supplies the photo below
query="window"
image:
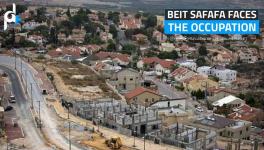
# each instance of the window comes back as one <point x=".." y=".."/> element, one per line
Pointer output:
<point x="146" y="100"/>
<point x="247" y="128"/>
<point x="241" y="132"/>
<point x="131" y="79"/>
<point x="153" y="99"/>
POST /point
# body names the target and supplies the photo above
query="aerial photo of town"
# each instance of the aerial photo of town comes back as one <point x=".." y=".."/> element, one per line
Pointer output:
<point x="103" y="75"/>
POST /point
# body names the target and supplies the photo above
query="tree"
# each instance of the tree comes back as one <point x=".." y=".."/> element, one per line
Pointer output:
<point x="202" y="50"/>
<point x="168" y="55"/>
<point x="129" y="49"/>
<point x="113" y="31"/>
<point x="201" y="62"/>
<point x="111" y="46"/>
<point x="90" y="28"/>
<point x="137" y="15"/>
<point x="151" y="21"/>
<point x="68" y="13"/>
<point x="42" y="30"/>
<point x="114" y="16"/>
<point x="101" y="16"/>
<point x="41" y="17"/>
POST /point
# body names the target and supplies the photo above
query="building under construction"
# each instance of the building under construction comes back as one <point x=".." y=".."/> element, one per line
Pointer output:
<point x="118" y="115"/>
<point x="187" y="137"/>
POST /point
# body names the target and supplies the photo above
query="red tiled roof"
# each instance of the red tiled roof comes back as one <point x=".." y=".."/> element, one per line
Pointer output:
<point x="180" y="71"/>
<point x="244" y="112"/>
<point x="138" y="91"/>
<point x="167" y="63"/>
<point x="150" y="60"/>
<point x="73" y="51"/>
<point x="104" y="55"/>
<point x="130" y="23"/>
<point x="195" y="77"/>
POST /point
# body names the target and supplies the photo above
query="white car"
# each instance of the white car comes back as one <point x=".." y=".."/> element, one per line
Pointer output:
<point x="199" y="109"/>
<point x="12" y="99"/>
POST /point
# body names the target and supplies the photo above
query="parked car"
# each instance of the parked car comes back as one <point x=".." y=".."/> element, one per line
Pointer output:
<point x="8" y="108"/>
<point x="12" y="99"/>
<point x="199" y="109"/>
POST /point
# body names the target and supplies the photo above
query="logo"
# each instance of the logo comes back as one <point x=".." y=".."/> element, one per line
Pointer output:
<point x="13" y="19"/>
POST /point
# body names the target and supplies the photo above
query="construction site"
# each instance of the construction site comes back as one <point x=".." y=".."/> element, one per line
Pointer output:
<point x="185" y="136"/>
<point x="114" y="114"/>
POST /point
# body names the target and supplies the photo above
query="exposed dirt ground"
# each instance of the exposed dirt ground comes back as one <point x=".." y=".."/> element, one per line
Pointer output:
<point x="76" y="81"/>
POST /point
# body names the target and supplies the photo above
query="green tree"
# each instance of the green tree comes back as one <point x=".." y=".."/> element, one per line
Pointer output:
<point x="151" y="21"/>
<point x="129" y="49"/>
<point x="201" y="62"/>
<point x="111" y="46"/>
<point x="41" y="14"/>
<point x="68" y="13"/>
<point x="113" y="31"/>
<point x="168" y="55"/>
<point x="114" y="16"/>
<point x="202" y="50"/>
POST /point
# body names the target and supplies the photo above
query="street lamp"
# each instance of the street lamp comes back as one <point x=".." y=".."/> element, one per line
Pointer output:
<point x="98" y="121"/>
<point x="69" y="105"/>
<point x="31" y="94"/>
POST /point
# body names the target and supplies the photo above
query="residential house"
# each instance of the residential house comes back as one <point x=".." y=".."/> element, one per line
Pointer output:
<point x="142" y="96"/>
<point x="36" y="39"/>
<point x="130" y="22"/>
<point x="181" y="73"/>
<point x="147" y="63"/>
<point x="197" y="82"/>
<point x="120" y="59"/>
<point x="32" y="25"/>
<point x="167" y="47"/>
<point x="238" y="129"/>
<point x="107" y="68"/>
<point x="77" y="35"/>
<point x="186" y="50"/>
<point x="166" y="103"/>
<point x="230" y="101"/>
<point x="215" y="94"/>
<point x="223" y="58"/>
<point x="59" y="53"/>
<point x="224" y="75"/>
<point x="247" y="113"/>
<point x="191" y="64"/>
<point x="217" y="38"/>
<point x="248" y="55"/>
<point x="126" y="79"/>
<point x="160" y="20"/>
<point x="140" y="38"/>
<point x="159" y="36"/>
<point x="104" y="36"/>
<point x="179" y="38"/>
<point x="164" y="67"/>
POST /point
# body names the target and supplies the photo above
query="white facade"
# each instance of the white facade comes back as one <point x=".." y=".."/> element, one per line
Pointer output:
<point x="140" y="64"/>
<point x="224" y="75"/>
<point x="170" y="103"/>
<point x="189" y="64"/>
<point x="160" y="70"/>
<point x="167" y="47"/>
<point x="204" y="70"/>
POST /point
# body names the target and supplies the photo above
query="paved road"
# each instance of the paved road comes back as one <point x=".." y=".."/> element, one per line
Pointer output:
<point x="165" y="89"/>
<point x="24" y="114"/>
<point x="49" y="119"/>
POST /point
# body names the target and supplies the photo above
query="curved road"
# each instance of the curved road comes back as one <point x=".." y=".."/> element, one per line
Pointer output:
<point x="48" y="118"/>
<point x="25" y="117"/>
